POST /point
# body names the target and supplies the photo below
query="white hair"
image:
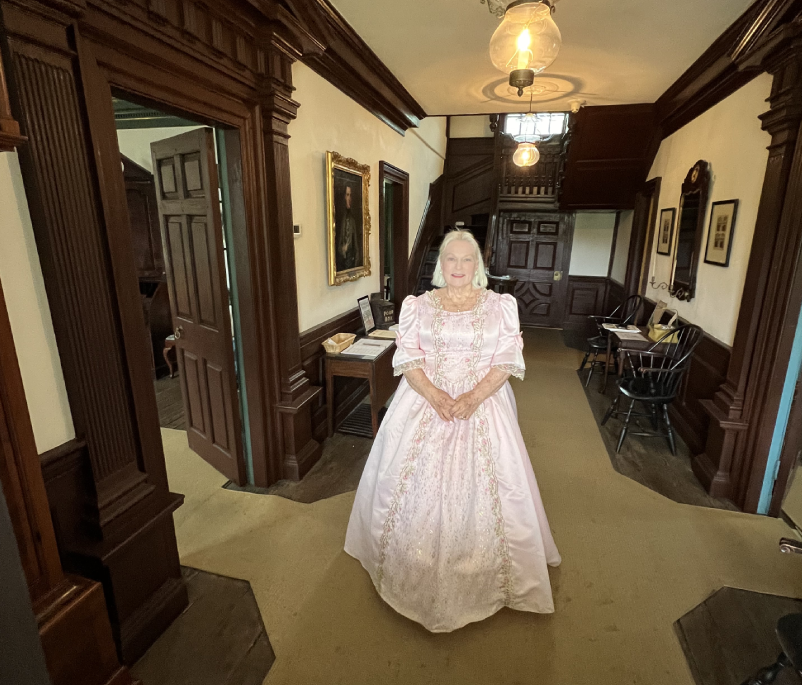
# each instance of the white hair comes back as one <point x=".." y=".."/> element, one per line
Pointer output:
<point x="479" y="276"/>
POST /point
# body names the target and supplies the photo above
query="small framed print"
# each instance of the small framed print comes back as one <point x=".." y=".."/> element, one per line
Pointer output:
<point x="548" y="228"/>
<point x="367" y="313"/>
<point x="519" y="226"/>
<point x="665" y="231"/>
<point x="719" y="235"/>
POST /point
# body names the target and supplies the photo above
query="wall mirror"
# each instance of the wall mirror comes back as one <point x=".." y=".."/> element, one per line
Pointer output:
<point x="690" y="230"/>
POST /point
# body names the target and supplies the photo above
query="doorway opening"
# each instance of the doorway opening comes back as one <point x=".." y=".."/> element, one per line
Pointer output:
<point x="183" y="187"/>
<point x="393" y="233"/>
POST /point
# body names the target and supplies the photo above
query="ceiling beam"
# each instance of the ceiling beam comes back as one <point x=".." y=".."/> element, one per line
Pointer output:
<point x="724" y="67"/>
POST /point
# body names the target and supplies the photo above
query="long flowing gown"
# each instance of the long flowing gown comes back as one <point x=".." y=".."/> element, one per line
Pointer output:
<point x="448" y="519"/>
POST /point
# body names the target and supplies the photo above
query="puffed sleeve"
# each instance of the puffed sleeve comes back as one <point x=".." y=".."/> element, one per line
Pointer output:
<point x="408" y="354"/>
<point x="509" y="350"/>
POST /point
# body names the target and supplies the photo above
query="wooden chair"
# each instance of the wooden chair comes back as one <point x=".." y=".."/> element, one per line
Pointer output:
<point x="789" y="635"/>
<point x="624" y="315"/>
<point x="653" y="378"/>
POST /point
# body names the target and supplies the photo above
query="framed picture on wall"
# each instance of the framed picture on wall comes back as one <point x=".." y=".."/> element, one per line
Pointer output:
<point x="665" y="231"/>
<point x="348" y="218"/>
<point x="719" y="235"/>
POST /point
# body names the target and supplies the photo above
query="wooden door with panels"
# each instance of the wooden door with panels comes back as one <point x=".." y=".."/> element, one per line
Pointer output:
<point x="192" y="234"/>
<point x="535" y="248"/>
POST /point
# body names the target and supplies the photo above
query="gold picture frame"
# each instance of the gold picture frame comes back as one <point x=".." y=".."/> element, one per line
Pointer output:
<point x="347" y="188"/>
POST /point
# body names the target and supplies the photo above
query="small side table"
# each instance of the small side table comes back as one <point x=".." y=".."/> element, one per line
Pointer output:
<point x="169" y="344"/>
<point x="624" y="344"/>
<point x="378" y="371"/>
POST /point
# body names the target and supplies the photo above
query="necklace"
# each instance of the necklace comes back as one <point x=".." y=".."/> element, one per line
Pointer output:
<point x="463" y="307"/>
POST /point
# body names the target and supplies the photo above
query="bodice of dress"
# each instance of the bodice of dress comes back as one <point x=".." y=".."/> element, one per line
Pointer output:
<point x="457" y="349"/>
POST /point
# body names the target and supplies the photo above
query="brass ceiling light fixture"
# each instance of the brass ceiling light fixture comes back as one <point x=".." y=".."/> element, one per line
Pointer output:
<point x="526" y="41"/>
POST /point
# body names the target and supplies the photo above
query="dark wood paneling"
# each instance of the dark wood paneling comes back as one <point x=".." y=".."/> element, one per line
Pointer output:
<point x="348" y="391"/>
<point x="610" y="153"/>
<point x="586" y="297"/>
<point x="615" y="297"/>
<point x="744" y="409"/>
<point x="723" y="68"/>
<point x="707" y="372"/>
<point x="10" y="136"/>
<point x="73" y="624"/>
<point x="470" y="176"/>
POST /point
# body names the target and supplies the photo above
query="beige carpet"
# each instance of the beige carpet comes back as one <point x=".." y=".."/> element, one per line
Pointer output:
<point x="634" y="562"/>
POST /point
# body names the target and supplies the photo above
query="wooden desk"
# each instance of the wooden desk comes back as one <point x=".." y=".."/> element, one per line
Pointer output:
<point x="623" y="345"/>
<point x="378" y="371"/>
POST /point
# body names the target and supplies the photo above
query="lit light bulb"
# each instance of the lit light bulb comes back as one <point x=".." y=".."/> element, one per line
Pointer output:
<point x="527" y="154"/>
<point x="524" y="53"/>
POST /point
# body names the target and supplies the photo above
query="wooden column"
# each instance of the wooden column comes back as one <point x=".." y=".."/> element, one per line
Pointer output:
<point x="296" y="396"/>
<point x="108" y="488"/>
<point x="10" y="135"/>
<point x="71" y="611"/>
<point x="744" y="410"/>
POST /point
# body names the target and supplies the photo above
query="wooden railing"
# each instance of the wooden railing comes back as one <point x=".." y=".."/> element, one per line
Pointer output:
<point x="540" y="182"/>
<point x="431" y="227"/>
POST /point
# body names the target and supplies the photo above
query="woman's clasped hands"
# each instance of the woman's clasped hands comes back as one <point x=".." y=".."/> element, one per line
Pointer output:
<point x="448" y="408"/>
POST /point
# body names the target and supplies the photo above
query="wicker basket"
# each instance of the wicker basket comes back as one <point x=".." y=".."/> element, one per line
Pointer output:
<point x="338" y="342"/>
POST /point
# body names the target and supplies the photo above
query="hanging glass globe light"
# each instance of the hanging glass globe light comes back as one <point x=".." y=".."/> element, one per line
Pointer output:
<point x="526" y="154"/>
<point x="526" y="42"/>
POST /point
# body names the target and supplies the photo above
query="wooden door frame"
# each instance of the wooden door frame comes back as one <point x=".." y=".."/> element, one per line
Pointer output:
<point x="642" y="240"/>
<point x="62" y="604"/>
<point x="388" y="172"/>
<point x="275" y="396"/>
<point x="228" y="65"/>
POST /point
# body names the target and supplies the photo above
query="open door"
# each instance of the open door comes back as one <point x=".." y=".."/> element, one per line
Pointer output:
<point x="192" y="234"/>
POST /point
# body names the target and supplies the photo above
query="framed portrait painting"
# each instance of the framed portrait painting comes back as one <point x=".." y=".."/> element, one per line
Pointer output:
<point x="348" y="218"/>
<point x="719" y="235"/>
<point x="665" y="231"/>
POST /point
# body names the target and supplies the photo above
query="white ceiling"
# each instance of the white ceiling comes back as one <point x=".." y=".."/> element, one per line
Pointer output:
<point x="614" y="52"/>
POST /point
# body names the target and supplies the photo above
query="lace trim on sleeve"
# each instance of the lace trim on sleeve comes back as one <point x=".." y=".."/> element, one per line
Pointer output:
<point x="408" y="366"/>
<point x="512" y="369"/>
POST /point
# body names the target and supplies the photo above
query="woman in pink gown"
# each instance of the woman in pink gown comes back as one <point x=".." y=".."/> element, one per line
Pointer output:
<point x="448" y="520"/>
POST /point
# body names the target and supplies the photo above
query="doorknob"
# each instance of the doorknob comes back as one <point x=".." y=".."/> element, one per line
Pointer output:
<point x="179" y="332"/>
<point x="558" y="275"/>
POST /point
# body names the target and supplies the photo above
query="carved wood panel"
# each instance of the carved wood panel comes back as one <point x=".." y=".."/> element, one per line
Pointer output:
<point x="539" y="260"/>
<point x="70" y="241"/>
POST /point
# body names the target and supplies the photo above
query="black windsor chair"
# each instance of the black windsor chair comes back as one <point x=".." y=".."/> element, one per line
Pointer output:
<point x="623" y="315"/>
<point x="653" y="378"/>
<point x="789" y="635"/>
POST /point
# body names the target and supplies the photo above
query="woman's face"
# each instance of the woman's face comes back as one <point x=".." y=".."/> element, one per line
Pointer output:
<point x="458" y="263"/>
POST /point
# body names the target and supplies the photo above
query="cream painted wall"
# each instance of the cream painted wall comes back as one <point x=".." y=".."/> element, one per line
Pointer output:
<point x="728" y="136"/>
<point x="135" y="142"/>
<point x="477" y="126"/>
<point x="29" y="313"/>
<point x="593" y="239"/>
<point x="329" y="120"/>
<point x="619" y="270"/>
